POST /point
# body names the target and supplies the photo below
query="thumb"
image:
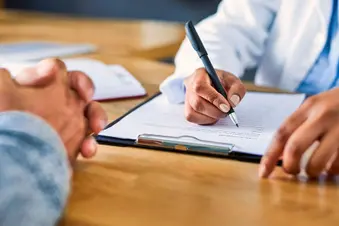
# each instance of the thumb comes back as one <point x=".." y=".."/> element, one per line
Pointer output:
<point x="32" y="77"/>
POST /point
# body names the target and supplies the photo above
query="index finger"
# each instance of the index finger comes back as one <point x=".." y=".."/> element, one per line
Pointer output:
<point x="30" y="77"/>
<point x="234" y="87"/>
<point x="272" y="156"/>
<point x="201" y="85"/>
<point x="82" y="85"/>
<point x="96" y="116"/>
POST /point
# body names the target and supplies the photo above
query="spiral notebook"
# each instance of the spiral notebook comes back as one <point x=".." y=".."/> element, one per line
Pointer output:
<point x="159" y="125"/>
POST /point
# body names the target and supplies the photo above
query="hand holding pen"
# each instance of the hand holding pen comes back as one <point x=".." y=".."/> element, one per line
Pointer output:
<point x="210" y="94"/>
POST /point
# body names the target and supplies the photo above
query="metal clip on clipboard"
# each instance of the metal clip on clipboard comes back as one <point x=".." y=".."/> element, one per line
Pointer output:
<point x="185" y="143"/>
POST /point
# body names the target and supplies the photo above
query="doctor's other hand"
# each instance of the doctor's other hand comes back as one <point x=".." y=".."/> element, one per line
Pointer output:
<point x="203" y="104"/>
<point x="315" y="124"/>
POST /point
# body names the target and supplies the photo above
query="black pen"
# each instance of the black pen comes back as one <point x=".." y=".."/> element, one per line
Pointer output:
<point x="196" y="43"/>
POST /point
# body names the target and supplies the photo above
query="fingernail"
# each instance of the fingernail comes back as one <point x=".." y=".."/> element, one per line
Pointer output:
<point x="224" y="108"/>
<point x="235" y="100"/>
<point x="262" y="171"/>
<point x="94" y="145"/>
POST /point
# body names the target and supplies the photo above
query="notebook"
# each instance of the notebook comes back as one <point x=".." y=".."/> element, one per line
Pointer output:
<point x="110" y="81"/>
<point x="158" y="124"/>
<point x="37" y="50"/>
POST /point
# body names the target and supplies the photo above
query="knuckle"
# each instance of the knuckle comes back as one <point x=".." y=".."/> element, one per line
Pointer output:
<point x="221" y="73"/>
<point x="189" y="115"/>
<point x="311" y="101"/>
<point x="198" y="87"/>
<point x="268" y="156"/>
<point x="55" y="64"/>
<point x="291" y="159"/>
<point x="325" y="111"/>
<point x="59" y="63"/>
<point x="83" y="79"/>
<point x="200" y="71"/>
<point x="190" y="79"/>
<point x="290" y="169"/>
<point x="283" y="133"/>
<point x="225" y="75"/>
<point x="82" y="75"/>
<point x="242" y="89"/>
<point x="294" y="148"/>
<point x="197" y="105"/>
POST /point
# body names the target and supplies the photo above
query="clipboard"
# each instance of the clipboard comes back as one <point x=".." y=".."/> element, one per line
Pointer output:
<point x="181" y="144"/>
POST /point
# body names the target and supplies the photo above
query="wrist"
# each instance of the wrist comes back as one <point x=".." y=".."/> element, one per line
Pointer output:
<point x="25" y="122"/>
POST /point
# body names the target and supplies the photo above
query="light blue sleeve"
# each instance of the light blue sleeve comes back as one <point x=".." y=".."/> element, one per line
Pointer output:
<point x="34" y="173"/>
<point x="234" y="38"/>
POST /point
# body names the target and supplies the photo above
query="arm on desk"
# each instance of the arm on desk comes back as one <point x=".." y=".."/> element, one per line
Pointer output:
<point x="34" y="173"/>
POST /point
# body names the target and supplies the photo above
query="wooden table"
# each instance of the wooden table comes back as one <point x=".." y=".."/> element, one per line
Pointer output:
<point x="129" y="186"/>
<point x="150" y="39"/>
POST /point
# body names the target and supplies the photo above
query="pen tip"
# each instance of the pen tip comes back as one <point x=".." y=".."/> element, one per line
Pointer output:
<point x="237" y="125"/>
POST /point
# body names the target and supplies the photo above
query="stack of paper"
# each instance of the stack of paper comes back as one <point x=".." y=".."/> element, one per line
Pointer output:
<point x="110" y="81"/>
<point x="259" y="114"/>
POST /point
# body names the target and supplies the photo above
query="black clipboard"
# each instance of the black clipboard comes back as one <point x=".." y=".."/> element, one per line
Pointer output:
<point x="179" y="148"/>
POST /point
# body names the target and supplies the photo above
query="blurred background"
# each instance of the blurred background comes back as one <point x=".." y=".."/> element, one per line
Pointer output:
<point x="164" y="10"/>
<point x="168" y="10"/>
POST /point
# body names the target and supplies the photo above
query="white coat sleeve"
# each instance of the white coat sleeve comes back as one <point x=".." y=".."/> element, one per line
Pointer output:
<point x="234" y="38"/>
